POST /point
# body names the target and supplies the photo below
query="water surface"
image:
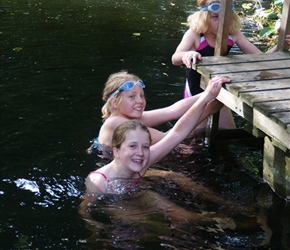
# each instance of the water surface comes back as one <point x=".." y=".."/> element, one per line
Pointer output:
<point x="55" y="59"/>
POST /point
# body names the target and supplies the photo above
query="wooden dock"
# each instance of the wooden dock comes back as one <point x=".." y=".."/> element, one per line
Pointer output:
<point x="259" y="92"/>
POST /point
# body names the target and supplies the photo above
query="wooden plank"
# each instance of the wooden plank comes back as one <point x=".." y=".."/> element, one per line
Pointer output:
<point x="276" y="106"/>
<point x="282" y="116"/>
<point x="241" y="87"/>
<point x="244" y="58"/>
<point x="254" y="76"/>
<point x="271" y="128"/>
<point x="245" y="67"/>
<point x="254" y="97"/>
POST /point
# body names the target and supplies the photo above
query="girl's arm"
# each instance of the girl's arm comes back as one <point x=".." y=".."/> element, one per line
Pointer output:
<point x="185" y="51"/>
<point x="187" y="122"/>
<point x="156" y="135"/>
<point x="156" y="117"/>
<point x="248" y="48"/>
<point x="274" y="49"/>
<point x="244" y="44"/>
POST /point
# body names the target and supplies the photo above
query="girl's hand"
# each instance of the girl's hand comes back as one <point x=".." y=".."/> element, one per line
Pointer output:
<point x="214" y="86"/>
<point x="186" y="59"/>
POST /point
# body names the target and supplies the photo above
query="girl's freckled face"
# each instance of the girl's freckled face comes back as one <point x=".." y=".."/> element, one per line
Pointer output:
<point x="135" y="150"/>
<point x="133" y="103"/>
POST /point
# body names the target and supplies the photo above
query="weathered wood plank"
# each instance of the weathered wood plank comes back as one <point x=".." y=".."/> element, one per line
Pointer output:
<point x="272" y="74"/>
<point x="254" y="97"/>
<point x="245" y="67"/>
<point x="248" y="58"/>
<point x="241" y="87"/>
<point x="275" y="106"/>
<point x="282" y="116"/>
<point x="271" y="128"/>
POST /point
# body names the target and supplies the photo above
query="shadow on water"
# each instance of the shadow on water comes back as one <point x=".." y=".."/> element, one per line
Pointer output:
<point x="55" y="58"/>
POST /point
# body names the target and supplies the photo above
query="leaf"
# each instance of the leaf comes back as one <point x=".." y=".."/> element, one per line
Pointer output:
<point x="17" y="49"/>
<point x="272" y="16"/>
<point x="279" y="2"/>
<point x="136" y="34"/>
<point x="247" y="6"/>
<point x="266" y="32"/>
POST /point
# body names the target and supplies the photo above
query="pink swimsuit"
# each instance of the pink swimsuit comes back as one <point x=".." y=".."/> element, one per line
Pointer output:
<point x="108" y="180"/>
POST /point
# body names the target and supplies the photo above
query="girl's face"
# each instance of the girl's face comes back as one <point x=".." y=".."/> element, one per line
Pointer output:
<point x="214" y="22"/>
<point x="134" y="152"/>
<point x="132" y="103"/>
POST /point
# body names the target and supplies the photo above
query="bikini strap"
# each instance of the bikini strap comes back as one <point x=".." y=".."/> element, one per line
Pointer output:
<point x="102" y="175"/>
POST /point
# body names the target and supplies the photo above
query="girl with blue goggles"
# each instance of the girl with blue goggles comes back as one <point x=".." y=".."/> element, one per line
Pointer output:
<point x="127" y="86"/>
<point x="213" y="7"/>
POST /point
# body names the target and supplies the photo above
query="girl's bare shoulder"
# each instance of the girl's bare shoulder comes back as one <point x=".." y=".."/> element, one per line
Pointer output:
<point x="95" y="183"/>
<point x="114" y="121"/>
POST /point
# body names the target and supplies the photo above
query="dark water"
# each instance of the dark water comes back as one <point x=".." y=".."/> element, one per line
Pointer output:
<point x="55" y="58"/>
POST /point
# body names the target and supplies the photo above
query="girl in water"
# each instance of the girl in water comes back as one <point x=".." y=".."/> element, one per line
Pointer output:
<point x="125" y="100"/>
<point x="132" y="141"/>
<point x="133" y="155"/>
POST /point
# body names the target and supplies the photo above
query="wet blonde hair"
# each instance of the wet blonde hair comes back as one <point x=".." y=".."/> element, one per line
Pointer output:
<point x="122" y="130"/>
<point x="199" y="21"/>
<point x="113" y="83"/>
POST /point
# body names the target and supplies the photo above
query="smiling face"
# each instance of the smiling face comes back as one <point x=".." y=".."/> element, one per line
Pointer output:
<point x="131" y="103"/>
<point x="134" y="152"/>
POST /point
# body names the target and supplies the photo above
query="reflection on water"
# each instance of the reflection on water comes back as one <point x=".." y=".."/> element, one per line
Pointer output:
<point x="55" y="58"/>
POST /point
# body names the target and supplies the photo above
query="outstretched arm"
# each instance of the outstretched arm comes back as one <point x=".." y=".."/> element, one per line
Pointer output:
<point x="187" y="122"/>
<point x="157" y="117"/>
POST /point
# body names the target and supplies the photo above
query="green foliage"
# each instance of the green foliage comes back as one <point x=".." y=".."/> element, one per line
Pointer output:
<point x="269" y="20"/>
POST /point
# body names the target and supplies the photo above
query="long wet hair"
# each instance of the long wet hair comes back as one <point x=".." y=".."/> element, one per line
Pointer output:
<point x="113" y="83"/>
<point x="199" y="21"/>
<point x="122" y="130"/>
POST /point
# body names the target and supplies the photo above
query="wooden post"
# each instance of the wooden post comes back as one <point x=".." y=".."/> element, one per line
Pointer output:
<point x="285" y="27"/>
<point x="225" y="17"/>
<point x="276" y="167"/>
<point x="221" y="49"/>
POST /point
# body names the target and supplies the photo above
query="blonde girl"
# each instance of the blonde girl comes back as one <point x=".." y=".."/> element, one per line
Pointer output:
<point x="125" y="100"/>
<point x="199" y="40"/>
<point x="132" y="143"/>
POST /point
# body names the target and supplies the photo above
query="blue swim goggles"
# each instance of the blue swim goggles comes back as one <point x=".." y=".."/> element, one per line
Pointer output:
<point x="127" y="86"/>
<point x="214" y="7"/>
